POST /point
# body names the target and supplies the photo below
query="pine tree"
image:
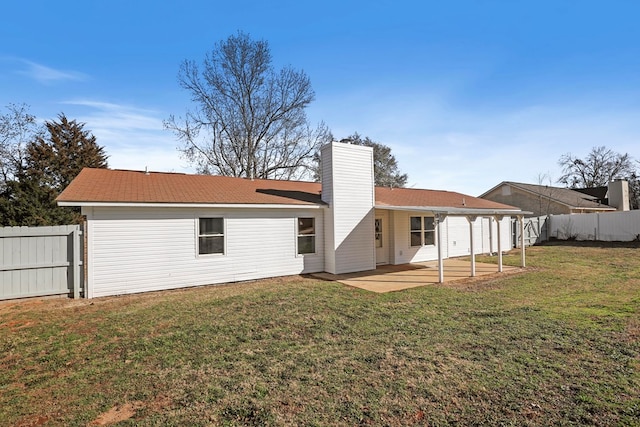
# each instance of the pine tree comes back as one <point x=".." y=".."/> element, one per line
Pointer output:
<point x="57" y="157"/>
<point x="52" y="161"/>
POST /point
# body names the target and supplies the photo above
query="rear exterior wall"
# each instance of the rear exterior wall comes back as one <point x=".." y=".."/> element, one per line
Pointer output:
<point x="148" y="249"/>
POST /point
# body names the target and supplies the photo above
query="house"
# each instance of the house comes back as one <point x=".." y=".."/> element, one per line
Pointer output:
<point x="546" y="200"/>
<point x="150" y="231"/>
<point x="615" y="194"/>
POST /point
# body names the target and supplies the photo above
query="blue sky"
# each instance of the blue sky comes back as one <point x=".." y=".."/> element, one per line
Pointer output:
<point x="467" y="93"/>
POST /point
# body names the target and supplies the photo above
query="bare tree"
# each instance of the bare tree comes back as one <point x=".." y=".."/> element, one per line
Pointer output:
<point x="249" y="120"/>
<point x="17" y="128"/>
<point x="634" y="187"/>
<point x="601" y="166"/>
<point x="544" y="198"/>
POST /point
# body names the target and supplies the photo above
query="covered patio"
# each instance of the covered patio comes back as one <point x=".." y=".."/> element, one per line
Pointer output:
<point x="389" y="278"/>
<point x="471" y="215"/>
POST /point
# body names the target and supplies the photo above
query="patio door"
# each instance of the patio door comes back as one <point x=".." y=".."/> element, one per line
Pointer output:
<point x="381" y="240"/>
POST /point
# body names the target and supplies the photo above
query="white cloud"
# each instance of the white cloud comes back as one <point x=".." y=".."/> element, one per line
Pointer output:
<point x="515" y="146"/>
<point x="442" y="145"/>
<point x="133" y="137"/>
<point x="44" y="74"/>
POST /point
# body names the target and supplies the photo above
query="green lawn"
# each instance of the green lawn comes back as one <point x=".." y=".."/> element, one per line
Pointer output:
<point x="557" y="345"/>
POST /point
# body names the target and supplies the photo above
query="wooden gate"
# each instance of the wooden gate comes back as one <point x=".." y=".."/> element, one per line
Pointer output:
<point x="535" y="231"/>
<point x="41" y="261"/>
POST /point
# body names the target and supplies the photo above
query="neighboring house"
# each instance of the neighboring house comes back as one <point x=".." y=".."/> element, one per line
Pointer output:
<point x="150" y="231"/>
<point x="616" y="194"/>
<point x="545" y="200"/>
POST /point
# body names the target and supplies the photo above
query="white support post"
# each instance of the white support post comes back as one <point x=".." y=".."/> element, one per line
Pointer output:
<point x="471" y="220"/>
<point x="498" y="219"/>
<point x="522" y="260"/>
<point x="439" y="218"/>
<point x="76" y="262"/>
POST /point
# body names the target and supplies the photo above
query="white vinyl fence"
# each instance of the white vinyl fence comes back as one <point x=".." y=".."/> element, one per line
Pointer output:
<point x="604" y="227"/>
<point x="41" y="261"/>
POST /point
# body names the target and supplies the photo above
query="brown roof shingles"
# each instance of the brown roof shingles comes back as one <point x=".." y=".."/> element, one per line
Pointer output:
<point x="120" y="186"/>
<point x="432" y="198"/>
<point x="566" y="196"/>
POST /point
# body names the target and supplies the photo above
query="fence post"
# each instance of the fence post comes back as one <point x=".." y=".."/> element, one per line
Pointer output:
<point x="76" y="262"/>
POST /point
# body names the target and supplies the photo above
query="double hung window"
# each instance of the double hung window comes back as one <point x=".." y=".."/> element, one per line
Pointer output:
<point x="210" y="236"/>
<point x="422" y="231"/>
<point x="306" y="236"/>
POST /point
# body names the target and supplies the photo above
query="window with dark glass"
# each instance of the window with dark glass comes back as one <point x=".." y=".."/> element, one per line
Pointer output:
<point x="210" y="236"/>
<point x="422" y="231"/>
<point x="378" y="232"/>
<point x="306" y="236"/>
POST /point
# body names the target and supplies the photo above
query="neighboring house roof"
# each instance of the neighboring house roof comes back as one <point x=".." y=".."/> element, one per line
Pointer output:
<point x="565" y="196"/>
<point x="600" y="193"/>
<point x="103" y="186"/>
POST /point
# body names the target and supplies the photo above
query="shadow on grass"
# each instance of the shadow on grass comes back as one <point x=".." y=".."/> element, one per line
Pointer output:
<point x="590" y="244"/>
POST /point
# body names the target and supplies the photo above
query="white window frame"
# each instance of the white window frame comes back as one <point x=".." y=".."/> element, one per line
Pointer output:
<point x="422" y="231"/>
<point x="314" y="235"/>
<point x="223" y="235"/>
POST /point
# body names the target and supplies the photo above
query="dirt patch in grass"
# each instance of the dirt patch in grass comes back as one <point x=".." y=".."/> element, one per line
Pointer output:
<point x="117" y="414"/>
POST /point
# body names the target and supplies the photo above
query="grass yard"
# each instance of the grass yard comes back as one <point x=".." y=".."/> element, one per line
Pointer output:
<point x="556" y="345"/>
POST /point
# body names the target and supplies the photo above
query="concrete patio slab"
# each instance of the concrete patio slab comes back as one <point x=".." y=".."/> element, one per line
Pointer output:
<point x="389" y="278"/>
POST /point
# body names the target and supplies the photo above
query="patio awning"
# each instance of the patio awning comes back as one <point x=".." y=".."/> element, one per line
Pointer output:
<point x="441" y="212"/>
<point x="453" y="211"/>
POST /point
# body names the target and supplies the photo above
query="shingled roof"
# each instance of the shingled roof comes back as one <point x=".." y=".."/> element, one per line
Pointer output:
<point x="566" y="196"/>
<point x="98" y="186"/>
<point x="123" y="186"/>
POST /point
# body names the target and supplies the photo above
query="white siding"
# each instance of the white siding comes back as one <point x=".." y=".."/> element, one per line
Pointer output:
<point x="459" y="243"/>
<point x="145" y="249"/>
<point x="347" y="186"/>
<point x="505" y="235"/>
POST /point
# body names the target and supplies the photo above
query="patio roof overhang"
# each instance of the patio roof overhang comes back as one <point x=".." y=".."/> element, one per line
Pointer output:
<point x="454" y="211"/>
<point x="471" y="214"/>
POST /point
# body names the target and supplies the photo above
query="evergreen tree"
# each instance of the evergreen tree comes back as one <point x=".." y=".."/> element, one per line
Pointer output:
<point x="57" y="157"/>
<point x="51" y="162"/>
<point x="25" y="202"/>
<point x="385" y="166"/>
